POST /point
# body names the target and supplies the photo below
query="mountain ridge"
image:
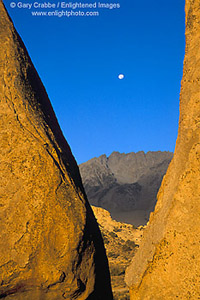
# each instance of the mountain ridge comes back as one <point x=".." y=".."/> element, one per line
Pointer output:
<point x="124" y="182"/>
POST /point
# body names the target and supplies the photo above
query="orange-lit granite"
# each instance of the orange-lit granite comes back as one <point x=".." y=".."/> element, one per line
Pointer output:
<point x="50" y="244"/>
<point x="167" y="265"/>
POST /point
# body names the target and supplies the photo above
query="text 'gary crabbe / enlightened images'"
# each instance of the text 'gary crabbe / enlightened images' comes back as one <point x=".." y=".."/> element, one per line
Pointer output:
<point x="68" y="9"/>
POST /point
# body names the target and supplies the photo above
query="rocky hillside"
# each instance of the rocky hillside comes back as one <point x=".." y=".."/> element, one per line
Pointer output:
<point x="50" y="243"/>
<point x="122" y="242"/>
<point x="167" y="264"/>
<point x="125" y="184"/>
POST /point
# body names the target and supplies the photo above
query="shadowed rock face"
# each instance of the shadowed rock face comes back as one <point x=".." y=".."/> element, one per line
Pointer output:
<point x="167" y="265"/>
<point x="50" y="244"/>
<point x="125" y="184"/>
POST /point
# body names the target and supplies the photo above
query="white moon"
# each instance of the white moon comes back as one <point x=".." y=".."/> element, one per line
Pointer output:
<point x="121" y="76"/>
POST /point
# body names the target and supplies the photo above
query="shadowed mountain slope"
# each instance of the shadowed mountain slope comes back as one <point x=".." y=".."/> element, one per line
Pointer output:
<point x="125" y="184"/>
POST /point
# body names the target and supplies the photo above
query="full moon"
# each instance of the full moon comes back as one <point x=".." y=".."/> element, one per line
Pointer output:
<point x="121" y="76"/>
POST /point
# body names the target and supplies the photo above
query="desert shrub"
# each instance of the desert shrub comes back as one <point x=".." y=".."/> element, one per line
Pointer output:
<point x="129" y="246"/>
<point x="112" y="234"/>
<point x="117" y="229"/>
<point x="105" y="238"/>
<point x="121" y="297"/>
<point x="116" y="270"/>
<point x="113" y="254"/>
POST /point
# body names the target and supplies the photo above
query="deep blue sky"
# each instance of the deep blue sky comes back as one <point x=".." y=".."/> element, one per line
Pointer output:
<point x="79" y="59"/>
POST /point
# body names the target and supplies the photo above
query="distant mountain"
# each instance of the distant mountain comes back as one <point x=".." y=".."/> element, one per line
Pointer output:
<point x="125" y="184"/>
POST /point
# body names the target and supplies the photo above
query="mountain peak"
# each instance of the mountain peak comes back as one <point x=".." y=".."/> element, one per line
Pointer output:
<point x="125" y="183"/>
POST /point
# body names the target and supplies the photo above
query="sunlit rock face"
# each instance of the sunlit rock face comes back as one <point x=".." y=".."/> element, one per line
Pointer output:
<point x="167" y="265"/>
<point x="50" y="244"/>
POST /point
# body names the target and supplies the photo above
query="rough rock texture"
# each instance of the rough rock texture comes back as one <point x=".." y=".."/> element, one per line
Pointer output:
<point x="167" y="265"/>
<point x="125" y="184"/>
<point x="121" y="241"/>
<point x="50" y="244"/>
